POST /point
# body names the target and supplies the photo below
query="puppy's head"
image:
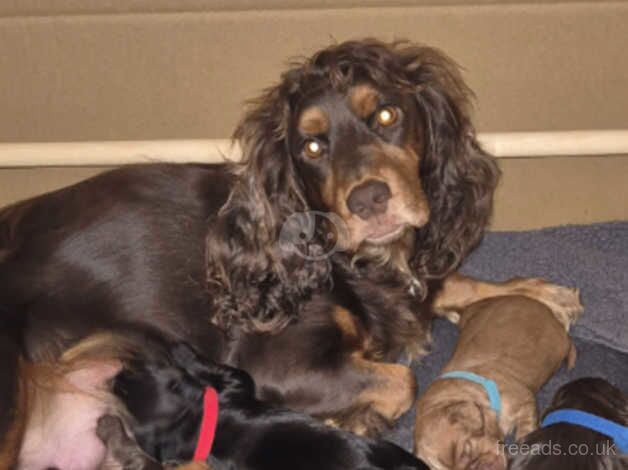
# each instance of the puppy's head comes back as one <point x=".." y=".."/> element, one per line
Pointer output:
<point x="460" y="436"/>
<point x="575" y="447"/>
<point x="165" y="398"/>
<point x="166" y="405"/>
<point x="595" y="396"/>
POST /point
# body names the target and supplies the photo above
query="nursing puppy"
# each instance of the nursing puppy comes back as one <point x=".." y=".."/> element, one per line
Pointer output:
<point x="575" y="447"/>
<point x="166" y="402"/>
<point x="517" y="343"/>
<point x="124" y="453"/>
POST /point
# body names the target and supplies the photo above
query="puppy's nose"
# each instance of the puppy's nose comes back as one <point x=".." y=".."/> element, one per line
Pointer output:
<point x="368" y="199"/>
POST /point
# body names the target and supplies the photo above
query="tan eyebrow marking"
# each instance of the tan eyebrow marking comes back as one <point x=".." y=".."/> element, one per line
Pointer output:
<point x="313" y="121"/>
<point x="363" y="100"/>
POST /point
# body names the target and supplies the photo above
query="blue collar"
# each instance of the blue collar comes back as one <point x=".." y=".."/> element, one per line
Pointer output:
<point x="489" y="386"/>
<point x="615" y="431"/>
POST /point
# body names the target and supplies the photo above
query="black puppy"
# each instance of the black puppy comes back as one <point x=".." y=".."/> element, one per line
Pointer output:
<point x="575" y="447"/>
<point x="167" y="403"/>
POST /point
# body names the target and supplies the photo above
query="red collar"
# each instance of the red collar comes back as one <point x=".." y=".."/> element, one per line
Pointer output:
<point x="208" y="425"/>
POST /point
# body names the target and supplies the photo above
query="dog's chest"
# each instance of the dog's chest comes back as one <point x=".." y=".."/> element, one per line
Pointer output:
<point x="394" y="317"/>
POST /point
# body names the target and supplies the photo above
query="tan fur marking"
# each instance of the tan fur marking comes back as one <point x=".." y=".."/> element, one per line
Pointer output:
<point x="12" y="441"/>
<point x="313" y="121"/>
<point x="347" y="323"/>
<point x="408" y="205"/>
<point x="363" y="100"/>
<point x="40" y="383"/>
<point x="393" y="391"/>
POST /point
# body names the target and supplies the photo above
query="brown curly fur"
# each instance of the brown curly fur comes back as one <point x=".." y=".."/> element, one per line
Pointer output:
<point x="255" y="284"/>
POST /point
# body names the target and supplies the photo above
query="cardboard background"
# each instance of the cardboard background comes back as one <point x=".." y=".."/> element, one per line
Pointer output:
<point x="76" y="70"/>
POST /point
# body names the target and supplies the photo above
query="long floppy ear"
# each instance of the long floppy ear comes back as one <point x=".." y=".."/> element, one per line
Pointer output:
<point x="257" y="283"/>
<point x="458" y="177"/>
<point x="226" y="380"/>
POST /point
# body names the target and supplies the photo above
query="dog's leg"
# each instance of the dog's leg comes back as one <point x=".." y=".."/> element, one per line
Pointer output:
<point x="318" y="366"/>
<point x="386" y="390"/>
<point x="459" y="291"/>
<point x="390" y="392"/>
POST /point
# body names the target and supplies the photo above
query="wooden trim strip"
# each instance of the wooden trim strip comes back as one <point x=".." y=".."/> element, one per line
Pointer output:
<point x="112" y="153"/>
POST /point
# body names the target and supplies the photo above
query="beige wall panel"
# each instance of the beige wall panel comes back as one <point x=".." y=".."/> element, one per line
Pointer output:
<point x="536" y="193"/>
<point x="59" y="7"/>
<point x="533" y="192"/>
<point x="185" y="75"/>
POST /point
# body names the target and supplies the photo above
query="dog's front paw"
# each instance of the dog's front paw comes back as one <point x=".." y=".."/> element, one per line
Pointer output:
<point x="563" y="301"/>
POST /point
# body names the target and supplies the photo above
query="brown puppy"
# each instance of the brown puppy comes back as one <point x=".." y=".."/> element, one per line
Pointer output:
<point x="517" y="343"/>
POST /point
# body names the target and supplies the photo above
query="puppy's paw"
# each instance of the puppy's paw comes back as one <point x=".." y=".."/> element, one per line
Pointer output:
<point x="452" y="316"/>
<point x="332" y="423"/>
<point x="122" y="451"/>
<point x="109" y="427"/>
<point x="564" y="302"/>
<point x="490" y="464"/>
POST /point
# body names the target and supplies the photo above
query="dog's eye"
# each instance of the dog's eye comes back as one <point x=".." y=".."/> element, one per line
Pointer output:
<point x="313" y="148"/>
<point x="386" y="116"/>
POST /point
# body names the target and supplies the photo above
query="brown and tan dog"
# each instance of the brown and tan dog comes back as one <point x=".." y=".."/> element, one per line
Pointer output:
<point x="514" y="341"/>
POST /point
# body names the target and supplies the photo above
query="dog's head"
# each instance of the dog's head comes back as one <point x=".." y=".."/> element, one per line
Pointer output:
<point x="164" y="397"/>
<point x="373" y="143"/>
<point x="164" y="403"/>
<point x="593" y="395"/>
<point x="569" y="446"/>
<point x="460" y="436"/>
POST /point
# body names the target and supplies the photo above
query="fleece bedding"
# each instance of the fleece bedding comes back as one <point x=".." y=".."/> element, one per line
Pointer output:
<point x="593" y="258"/>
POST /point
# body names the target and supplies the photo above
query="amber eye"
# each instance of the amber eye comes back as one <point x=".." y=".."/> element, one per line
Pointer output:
<point x="386" y="116"/>
<point x="313" y="148"/>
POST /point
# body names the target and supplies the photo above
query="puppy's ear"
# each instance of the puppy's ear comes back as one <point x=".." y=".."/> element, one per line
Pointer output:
<point x="256" y="282"/>
<point x="182" y="354"/>
<point x="229" y="381"/>
<point x="203" y="370"/>
<point x="467" y="414"/>
<point x="457" y="176"/>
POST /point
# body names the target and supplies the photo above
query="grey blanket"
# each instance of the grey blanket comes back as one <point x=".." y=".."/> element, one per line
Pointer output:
<point x="593" y="258"/>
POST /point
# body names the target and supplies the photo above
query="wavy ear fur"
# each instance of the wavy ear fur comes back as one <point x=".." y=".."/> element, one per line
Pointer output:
<point x="256" y="284"/>
<point x="458" y="177"/>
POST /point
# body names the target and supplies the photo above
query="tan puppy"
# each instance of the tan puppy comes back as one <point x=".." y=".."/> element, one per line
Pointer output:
<point x="514" y="341"/>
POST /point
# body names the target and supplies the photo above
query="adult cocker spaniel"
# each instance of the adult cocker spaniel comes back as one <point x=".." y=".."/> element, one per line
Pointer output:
<point x="313" y="264"/>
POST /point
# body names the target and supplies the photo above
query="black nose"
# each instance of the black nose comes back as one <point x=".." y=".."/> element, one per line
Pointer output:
<point x="368" y="199"/>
